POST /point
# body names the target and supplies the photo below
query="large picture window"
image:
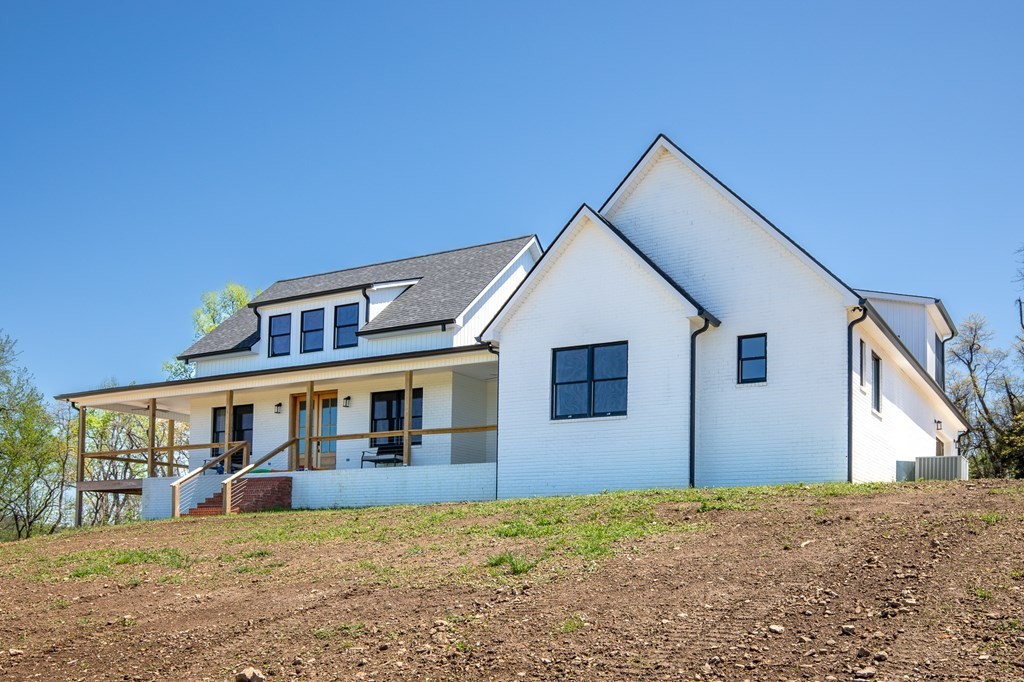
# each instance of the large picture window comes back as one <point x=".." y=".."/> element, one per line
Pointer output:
<point x="346" y="324"/>
<point x="752" y="359"/>
<point x="589" y="381"/>
<point x="280" y="335"/>
<point x="312" y="330"/>
<point x="387" y="413"/>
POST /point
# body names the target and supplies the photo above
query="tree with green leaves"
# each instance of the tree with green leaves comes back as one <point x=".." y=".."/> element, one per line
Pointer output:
<point x="987" y="384"/>
<point x="214" y="308"/>
<point x="34" y="470"/>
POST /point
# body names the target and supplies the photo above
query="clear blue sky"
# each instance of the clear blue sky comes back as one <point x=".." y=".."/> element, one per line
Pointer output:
<point x="151" y="151"/>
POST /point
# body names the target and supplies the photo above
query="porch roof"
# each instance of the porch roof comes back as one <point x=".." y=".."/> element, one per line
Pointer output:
<point x="174" y="397"/>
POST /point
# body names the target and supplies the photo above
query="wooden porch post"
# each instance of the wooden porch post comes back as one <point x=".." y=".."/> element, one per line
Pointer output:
<point x="229" y="419"/>
<point x="407" y="421"/>
<point x="80" y="472"/>
<point x="309" y="425"/>
<point x="151" y="453"/>
<point x="170" y="442"/>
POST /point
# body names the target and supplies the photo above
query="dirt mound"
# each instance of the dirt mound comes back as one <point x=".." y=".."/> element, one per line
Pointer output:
<point x="910" y="581"/>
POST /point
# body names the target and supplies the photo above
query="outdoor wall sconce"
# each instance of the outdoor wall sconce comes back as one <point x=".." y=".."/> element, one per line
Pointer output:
<point x="277" y="408"/>
<point x="938" y="425"/>
<point x="346" y="401"/>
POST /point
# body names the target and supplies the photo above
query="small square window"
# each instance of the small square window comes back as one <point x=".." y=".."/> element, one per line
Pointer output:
<point x="752" y="359"/>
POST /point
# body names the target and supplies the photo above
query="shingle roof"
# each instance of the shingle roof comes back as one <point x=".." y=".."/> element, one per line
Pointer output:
<point x="447" y="283"/>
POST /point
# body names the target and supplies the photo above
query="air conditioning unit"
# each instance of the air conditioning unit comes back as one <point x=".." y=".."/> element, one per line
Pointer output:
<point x="945" y="468"/>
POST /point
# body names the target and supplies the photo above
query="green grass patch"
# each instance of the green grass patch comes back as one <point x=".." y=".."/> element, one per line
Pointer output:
<point x="572" y="623"/>
<point x="517" y="565"/>
<point x="981" y="592"/>
<point x="991" y="518"/>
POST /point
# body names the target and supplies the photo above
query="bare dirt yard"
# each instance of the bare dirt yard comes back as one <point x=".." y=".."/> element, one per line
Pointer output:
<point x="884" y="582"/>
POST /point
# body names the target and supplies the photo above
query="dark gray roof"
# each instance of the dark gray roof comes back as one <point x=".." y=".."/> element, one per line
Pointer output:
<point x="447" y="283"/>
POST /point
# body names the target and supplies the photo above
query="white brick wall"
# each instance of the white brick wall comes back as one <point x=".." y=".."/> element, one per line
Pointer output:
<point x="596" y="292"/>
<point x="905" y="426"/>
<point x="392" y="485"/>
<point x="350" y="488"/>
<point x="792" y="428"/>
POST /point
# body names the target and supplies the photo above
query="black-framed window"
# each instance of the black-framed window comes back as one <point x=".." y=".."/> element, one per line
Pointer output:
<point x="241" y="427"/>
<point x="280" y="335"/>
<point x="876" y="383"/>
<point x="861" y="362"/>
<point x="346" y="324"/>
<point x="387" y="413"/>
<point x="312" y="330"/>
<point x="940" y="362"/>
<point x="589" y="381"/>
<point x="752" y="359"/>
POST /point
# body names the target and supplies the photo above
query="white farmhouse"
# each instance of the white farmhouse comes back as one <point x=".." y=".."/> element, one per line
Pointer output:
<point x="673" y="338"/>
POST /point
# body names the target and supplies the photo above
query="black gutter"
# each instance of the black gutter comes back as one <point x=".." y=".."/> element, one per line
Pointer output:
<point x="275" y="370"/>
<point x="693" y="399"/>
<point x="366" y="313"/>
<point x="497" y="405"/>
<point x="849" y="387"/>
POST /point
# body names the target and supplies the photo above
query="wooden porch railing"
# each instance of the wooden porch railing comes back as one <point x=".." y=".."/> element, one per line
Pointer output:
<point x="228" y="483"/>
<point x="233" y="448"/>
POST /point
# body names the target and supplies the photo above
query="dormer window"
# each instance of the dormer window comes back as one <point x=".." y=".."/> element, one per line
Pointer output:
<point x="312" y="330"/>
<point x="346" y="324"/>
<point x="280" y="335"/>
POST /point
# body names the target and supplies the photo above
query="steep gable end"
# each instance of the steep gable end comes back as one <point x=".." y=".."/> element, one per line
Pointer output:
<point x="697" y="198"/>
<point x="586" y="219"/>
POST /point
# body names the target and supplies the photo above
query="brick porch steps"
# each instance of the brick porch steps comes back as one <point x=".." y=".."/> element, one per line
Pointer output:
<point x="249" y="495"/>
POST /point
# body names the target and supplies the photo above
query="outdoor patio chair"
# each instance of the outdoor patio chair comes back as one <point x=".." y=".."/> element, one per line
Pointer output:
<point x="388" y="453"/>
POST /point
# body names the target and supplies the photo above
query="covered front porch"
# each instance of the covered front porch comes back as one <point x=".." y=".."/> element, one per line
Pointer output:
<point x="380" y="431"/>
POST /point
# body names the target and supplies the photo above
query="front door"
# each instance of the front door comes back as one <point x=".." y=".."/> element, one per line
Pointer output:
<point x="325" y="423"/>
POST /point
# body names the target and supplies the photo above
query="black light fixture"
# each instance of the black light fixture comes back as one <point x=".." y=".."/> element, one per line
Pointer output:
<point x="346" y="401"/>
<point x="938" y="425"/>
<point x="277" y="408"/>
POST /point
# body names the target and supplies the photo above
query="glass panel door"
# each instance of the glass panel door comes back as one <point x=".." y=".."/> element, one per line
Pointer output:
<point x="325" y="423"/>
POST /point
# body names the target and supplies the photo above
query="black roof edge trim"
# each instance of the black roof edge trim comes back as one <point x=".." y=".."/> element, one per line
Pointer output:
<point x="887" y="331"/>
<point x="738" y="198"/>
<point x="701" y="310"/>
<point x="211" y="353"/>
<point x="329" y="292"/>
<point x="276" y="370"/>
<point x="403" y="327"/>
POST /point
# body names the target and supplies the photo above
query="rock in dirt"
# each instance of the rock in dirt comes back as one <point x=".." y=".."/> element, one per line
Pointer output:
<point x="251" y="674"/>
<point x="881" y="656"/>
<point x="865" y="673"/>
<point x="15" y="652"/>
<point x="849" y="630"/>
<point x="776" y="629"/>
<point x="863" y="653"/>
